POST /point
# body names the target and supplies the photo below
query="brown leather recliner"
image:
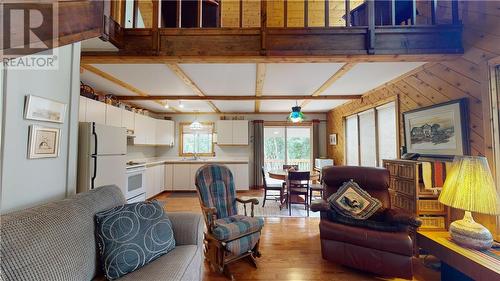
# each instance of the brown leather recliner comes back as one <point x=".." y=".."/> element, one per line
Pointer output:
<point x="386" y="253"/>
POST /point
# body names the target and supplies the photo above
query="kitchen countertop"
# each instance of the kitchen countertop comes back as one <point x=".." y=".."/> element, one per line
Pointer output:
<point x="159" y="161"/>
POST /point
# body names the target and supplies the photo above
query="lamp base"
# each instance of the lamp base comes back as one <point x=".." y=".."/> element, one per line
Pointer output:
<point x="471" y="234"/>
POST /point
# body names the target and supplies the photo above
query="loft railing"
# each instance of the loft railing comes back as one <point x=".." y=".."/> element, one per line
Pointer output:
<point x="284" y="27"/>
<point x="282" y="13"/>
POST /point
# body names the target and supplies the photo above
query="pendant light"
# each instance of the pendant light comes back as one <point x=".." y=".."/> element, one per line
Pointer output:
<point x="196" y="125"/>
<point x="296" y="116"/>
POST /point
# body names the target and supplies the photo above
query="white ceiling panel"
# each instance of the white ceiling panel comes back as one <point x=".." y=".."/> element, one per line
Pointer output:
<point x="103" y="85"/>
<point x="223" y="79"/>
<point x="151" y="105"/>
<point x="297" y="78"/>
<point x="235" y="106"/>
<point x="154" y="79"/>
<point x="277" y="105"/>
<point x="322" y="105"/>
<point x="367" y="76"/>
<point x="192" y="106"/>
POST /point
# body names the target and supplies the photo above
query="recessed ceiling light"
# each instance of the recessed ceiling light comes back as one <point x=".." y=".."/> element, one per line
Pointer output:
<point x="181" y="105"/>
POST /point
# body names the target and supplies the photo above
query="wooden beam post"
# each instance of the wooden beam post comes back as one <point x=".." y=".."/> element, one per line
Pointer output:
<point x="259" y="83"/>
<point x="336" y="76"/>
<point x="190" y="83"/>
<point x="263" y="26"/>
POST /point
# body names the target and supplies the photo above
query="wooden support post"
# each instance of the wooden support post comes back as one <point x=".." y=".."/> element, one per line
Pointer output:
<point x="347" y="13"/>
<point x="370" y="46"/>
<point x="263" y="26"/>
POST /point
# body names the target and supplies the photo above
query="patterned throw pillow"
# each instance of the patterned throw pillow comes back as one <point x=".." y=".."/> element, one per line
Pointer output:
<point x="131" y="236"/>
<point x="352" y="201"/>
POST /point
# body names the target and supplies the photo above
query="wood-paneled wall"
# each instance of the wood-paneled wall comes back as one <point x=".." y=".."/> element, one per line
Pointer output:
<point x="435" y="83"/>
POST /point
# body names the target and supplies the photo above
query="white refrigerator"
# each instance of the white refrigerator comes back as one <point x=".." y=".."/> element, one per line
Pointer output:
<point x="101" y="156"/>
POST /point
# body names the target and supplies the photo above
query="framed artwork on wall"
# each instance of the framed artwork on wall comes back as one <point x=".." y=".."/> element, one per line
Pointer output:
<point x="43" y="142"/>
<point x="42" y="109"/>
<point x="333" y="139"/>
<point x="439" y="130"/>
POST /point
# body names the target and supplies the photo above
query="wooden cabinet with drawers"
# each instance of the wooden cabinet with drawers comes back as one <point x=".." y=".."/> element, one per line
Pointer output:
<point x="408" y="194"/>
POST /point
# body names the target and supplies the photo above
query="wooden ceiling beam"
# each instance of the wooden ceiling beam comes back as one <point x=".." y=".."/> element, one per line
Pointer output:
<point x="140" y="93"/>
<point x="336" y="76"/>
<point x="238" y="98"/>
<point x="190" y="83"/>
<point x="260" y="76"/>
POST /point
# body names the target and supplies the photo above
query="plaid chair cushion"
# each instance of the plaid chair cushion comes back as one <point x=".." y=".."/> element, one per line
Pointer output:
<point x="216" y="187"/>
<point x="234" y="226"/>
<point x="244" y="244"/>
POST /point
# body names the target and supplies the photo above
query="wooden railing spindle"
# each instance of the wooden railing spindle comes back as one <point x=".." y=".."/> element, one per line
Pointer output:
<point x="393" y="12"/>
<point x="327" y="13"/>
<point x="347" y="13"/>
<point x="199" y="18"/>
<point x="414" y="13"/>
<point x="454" y="12"/>
<point x="306" y="13"/>
<point x="371" y="26"/>
<point x="433" y="11"/>
<point x="179" y="13"/>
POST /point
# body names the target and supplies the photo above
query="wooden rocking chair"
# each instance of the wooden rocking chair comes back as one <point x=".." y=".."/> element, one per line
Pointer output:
<point x="229" y="236"/>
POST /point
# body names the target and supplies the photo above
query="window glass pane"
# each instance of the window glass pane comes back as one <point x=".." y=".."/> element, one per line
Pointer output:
<point x="387" y="132"/>
<point x="299" y="147"/>
<point x="351" y="131"/>
<point x="274" y="148"/>
<point x="367" y="144"/>
<point x="197" y="141"/>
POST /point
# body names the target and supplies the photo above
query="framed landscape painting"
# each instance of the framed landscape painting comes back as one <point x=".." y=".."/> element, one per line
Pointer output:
<point x="439" y="130"/>
<point x="42" y="109"/>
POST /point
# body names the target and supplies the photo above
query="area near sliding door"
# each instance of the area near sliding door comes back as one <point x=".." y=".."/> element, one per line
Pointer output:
<point x="287" y="145"/>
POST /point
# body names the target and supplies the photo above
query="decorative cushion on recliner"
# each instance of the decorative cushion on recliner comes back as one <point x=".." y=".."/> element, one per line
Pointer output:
<point x="234" y="226"/>
<point x="352" y="201"/>
<point x="131" y="236"/>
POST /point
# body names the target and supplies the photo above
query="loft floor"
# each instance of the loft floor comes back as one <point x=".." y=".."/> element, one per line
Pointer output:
<point x="290" y="250"/>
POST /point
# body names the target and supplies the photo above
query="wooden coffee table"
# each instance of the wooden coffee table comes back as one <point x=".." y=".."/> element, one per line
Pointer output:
<point x="458" y="262"/>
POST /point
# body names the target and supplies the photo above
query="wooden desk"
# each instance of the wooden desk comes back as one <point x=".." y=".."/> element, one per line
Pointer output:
<point x="475" y="264"/>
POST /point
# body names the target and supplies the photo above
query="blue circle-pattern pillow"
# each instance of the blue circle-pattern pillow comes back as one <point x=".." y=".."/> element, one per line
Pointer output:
<point x="131" y="236"/>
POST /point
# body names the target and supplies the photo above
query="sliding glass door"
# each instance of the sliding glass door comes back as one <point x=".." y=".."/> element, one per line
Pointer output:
<point x="290" y="145"/>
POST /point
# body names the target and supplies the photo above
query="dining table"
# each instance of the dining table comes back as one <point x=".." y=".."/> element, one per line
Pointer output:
<point x="281" y="174"/>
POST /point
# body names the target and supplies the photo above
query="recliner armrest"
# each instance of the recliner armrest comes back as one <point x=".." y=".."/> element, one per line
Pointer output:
<point x="402" y="218"/>
<point x="319" y="205"/>
<point x="188" y="228"/>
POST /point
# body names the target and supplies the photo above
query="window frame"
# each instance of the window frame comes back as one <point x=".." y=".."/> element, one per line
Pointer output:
<point x="373" y="107"/>
<point x="181" y="140"/>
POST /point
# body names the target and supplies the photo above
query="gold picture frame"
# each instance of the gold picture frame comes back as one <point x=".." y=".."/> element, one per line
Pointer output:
<point x="43" y="142"/>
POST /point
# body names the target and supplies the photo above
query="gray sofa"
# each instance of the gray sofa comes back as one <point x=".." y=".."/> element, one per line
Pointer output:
<point x="56" y="241"/>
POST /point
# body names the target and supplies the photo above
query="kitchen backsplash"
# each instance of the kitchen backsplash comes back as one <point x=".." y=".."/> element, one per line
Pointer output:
<point x="140" y="152"/>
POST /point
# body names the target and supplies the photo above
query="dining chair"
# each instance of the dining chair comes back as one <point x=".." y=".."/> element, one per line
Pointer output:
<point x="298" y="185"/>
<point x="316" y="187"/>
<point x="288" y="167"/>
<point x="271" y="187"/>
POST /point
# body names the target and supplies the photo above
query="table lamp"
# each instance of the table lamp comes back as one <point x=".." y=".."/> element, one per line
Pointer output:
<point x="469" y="186"/>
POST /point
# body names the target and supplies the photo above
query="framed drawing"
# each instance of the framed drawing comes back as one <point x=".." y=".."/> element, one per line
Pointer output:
<point x="43" y="142"/>
<point x="42" y="109"/>
<point x="439" y="130"/>
<point x="333" y="139"/>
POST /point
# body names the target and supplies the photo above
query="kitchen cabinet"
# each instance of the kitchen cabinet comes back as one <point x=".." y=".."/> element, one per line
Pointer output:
<point x="128" y="118"/>
<point x="165" y="133"/>
<point x="113" y="116"/>
<point x="240" y="175"/>
<point x="169" y="177"/>
<point x="232" y="132"/>
<point x="96" y="112"/>
<point x="155" y="180"/>
<point x="145" y="130"/>
<point x="181" y="177"/>
<point x="82" y="109"/>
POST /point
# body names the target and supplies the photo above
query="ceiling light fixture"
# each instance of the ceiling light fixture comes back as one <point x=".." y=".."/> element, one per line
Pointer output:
<point x="196" y="125"/>
<point x="166" y="105"/>
<point x="296" y="116"/>
<point x="180" y="104"/>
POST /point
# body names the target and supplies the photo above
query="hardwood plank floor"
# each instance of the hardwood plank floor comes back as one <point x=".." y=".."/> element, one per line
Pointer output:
<point x="290" y="250"/>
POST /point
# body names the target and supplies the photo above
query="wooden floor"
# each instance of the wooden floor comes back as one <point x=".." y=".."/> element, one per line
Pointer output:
<point x="290" y="250"/>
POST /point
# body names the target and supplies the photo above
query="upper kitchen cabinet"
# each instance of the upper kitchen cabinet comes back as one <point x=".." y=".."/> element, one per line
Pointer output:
<point x="145" y="130"/>
<point x="232" y="132"/>
<point x="96" y="112"/>
<point x="165" y="132"/>
<point x="82" y="109"/>
<point x="113" y="116"/>
<point x="128" y="120"/>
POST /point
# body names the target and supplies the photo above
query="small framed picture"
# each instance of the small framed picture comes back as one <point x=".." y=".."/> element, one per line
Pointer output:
<point x="43" y="142"/>
<point x="333" y="139"/>
<point x="42" y="109"/>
